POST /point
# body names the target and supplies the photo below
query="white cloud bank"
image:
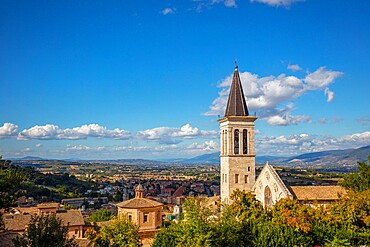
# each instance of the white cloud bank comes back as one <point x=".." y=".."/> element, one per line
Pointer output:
<point x="163" y="135"/>
<point x="8" y="130"/>
<point x="83" y="148"/>
<point x="206" y="146"/>
<point x="277" y="3"/>
<point x="272" y="96"/>
<point x="170" y="135"/>
<point x="265" y="145"/>
<point x="53" y="132"/>
<point x="305" y="143"/>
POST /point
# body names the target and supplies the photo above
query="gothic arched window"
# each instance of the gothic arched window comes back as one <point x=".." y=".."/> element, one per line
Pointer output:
<point x="268" y="197"/>
<point x="236" y="141"/>
<point x="245" y="142"/>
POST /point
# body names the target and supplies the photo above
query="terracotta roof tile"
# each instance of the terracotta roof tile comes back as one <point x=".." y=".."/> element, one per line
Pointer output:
<point x="317" y="192"/>
<point x="48" y="205"/>
<point x="73" y="217"/>
<point x="18" y="222"/>
<point x="139" y="203"/>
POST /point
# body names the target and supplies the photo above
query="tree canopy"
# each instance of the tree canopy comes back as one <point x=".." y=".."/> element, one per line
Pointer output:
<point x="9" y="180"/>
<point x="101" y="215"/>
<point x="119" y="232"/>
<point x="360" y="180"/>
<point x="287" y="223"/>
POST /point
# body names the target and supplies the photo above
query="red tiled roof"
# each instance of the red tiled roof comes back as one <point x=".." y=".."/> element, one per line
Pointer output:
<point x="139" y="203"/>
<point x="18" y="222"/>
<point x="313" y="193"/>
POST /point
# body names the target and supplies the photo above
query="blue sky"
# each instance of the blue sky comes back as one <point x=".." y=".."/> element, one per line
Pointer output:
<point x="147" y="79"/>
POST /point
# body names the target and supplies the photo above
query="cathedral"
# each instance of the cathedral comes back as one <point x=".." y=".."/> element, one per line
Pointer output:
<point x="238" y="160"/>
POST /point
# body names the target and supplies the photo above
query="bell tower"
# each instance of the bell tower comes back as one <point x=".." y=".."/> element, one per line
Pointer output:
<point x="237" y="152"/>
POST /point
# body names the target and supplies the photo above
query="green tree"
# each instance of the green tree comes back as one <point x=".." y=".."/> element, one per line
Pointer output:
<point x="9" y="179"/>
<point x="360" y="180"/>
<point x="119" y="232"/>
<point x="102" y="215"/>
<point x="45" y="231"/>
<point x="199" y="227"/>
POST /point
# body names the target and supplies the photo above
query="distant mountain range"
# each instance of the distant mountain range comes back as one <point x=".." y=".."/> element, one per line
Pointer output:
<point x="343" y="159"/>
<point x="327" y="160"/>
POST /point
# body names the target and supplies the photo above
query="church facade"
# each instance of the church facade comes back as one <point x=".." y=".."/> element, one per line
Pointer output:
<point x="237" y="159"/>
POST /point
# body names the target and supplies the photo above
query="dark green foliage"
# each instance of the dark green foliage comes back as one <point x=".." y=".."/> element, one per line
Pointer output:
<point x="358" y="181"/>
<point x="45" y="231"/>
<point x="102" y="215"/>
<point x="9" y="181"/>
<point x="37" y="185"/>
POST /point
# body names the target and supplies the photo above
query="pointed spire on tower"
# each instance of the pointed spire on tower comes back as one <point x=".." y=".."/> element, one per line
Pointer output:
<point x="236" y="104"/>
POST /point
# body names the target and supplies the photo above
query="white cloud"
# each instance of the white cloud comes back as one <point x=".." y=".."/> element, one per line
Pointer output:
<point x="321" y="78"/>
<point x="266" y="94"/>
<point x="170" y="135"/>
<point x="294" y="67"/>
<point x="304" y="143"/>
<point x="8" y="130"/>
<point x="167" y="11"/>
<point x="150" y="149"/>
<point x="83" y="148"/>
<point x="277" y="3"/>
<point x="329" y="94"/>
<point x="205" y="4"/>
<point x="206" y="146"/>
<point x="53" y="132"/>
<point x="230" y="3"/>
<point x="130" y="148"/>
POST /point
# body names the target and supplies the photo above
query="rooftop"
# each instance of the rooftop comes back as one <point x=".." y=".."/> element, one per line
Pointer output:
<point x="312" y="193"/>
<point x="236" y="104"/>
<point x="139" y="203"/>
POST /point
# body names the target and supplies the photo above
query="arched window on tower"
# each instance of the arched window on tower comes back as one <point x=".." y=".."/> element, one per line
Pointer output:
<point x="236" y="141"/>
<point x="225" y="142"/>
<point x="222" y="142"/>
<point x="245" y="142"/>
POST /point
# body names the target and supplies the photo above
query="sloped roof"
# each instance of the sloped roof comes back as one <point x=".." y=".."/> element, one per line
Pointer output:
<point x="18" y="222"/>
<point x="48" y="205"/>
<point x="139" y="203"/>
<point x="313" y="193"/>
<point x="236" y="104"/>
<point x="73" y="217"/>
<point x="270" y="170"/>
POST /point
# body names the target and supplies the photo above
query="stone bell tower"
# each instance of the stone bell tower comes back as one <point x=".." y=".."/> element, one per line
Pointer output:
<point x="237" y="143"/>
